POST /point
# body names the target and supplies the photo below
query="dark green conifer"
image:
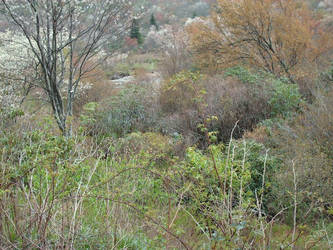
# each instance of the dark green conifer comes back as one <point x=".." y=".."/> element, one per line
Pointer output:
<point x="153" y="21"/>
<point x="135" y="31"/>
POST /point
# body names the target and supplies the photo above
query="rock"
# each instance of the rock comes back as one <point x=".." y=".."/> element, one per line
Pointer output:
<point x="119" y="76"/>
<point x="124" y="80"/>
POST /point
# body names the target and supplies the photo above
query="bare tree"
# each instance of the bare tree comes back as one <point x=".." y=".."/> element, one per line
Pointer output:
<point x="67" y="38"/>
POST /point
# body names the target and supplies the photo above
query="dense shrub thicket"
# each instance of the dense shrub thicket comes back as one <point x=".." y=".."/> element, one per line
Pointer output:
<point x="187" y="154"/>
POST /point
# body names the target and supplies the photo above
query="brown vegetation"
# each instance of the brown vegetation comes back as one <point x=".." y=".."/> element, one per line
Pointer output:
<point x="279" y="36"/>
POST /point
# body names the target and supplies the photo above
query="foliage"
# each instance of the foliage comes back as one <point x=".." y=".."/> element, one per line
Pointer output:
<point x="280" y="37"/>
<point x="126" y="112"/>
<point x="135" y="31"/>
<point x="74" y="197"/>
<point x="244" y="160"/>
<point x="177" y="159"/>
<point x="43" y="171"/>
<point x="65" y="46"/>
<point x="326" y="77"/>
<point x="16" y="74"/>
<point x="153" y="21"/>
<point x="240" y="96"/>
<point x="284" y="97"/>
<point x="118" y="192"/>
<point x="243" y="74"/>
<point x="305" y="142"/>
<point x="172" y="41"/>
<point x="183" y="91"/>
<point x="229" y="190"/>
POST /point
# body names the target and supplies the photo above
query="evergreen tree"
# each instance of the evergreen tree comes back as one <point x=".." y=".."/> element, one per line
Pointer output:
<point x="135" y="31"/>
<point x="153" y="21"/>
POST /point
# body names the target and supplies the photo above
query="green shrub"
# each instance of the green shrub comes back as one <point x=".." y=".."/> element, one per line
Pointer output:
<point x="244" y="97"/>
<point x="246" y="161"/>
<point x="39" y="171"/>
<point x="285" y="99"/>
<point x="189" y="99"/>
<point x="129" y="111"/>
<point x="306" y="143"/>
<point x="182" y="91"/>
<point x="243" y="74"/>
<point x="135" y="242"/>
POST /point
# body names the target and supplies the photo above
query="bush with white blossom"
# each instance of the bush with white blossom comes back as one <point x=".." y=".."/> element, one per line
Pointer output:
<point x="16" y="62"/>
<point x="19" y="72"/>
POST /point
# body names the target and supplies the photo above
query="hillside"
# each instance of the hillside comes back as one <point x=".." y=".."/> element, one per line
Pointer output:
<point x="166" y="124"/>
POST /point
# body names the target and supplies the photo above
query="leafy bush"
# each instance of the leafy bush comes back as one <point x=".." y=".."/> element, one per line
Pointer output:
<point x="238" y="96"/>
<point x="306" y="143"/>
<point x="182" y="91"/>
<point x="128" y="111"/>
<point x="151" y="147"/>
<point x="285" y="98"/>
<point x="242" y="74"/>
<point x="43" y="171"/>
<point x="69" y="188"/>
<point x="172" y="42"/>
<point x="244" y="160"/>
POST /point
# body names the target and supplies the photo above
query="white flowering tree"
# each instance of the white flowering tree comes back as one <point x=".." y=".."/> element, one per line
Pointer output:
<point x="173" y="43"/>
<point x="66" y="38"/>
<point x="16" y="74"/>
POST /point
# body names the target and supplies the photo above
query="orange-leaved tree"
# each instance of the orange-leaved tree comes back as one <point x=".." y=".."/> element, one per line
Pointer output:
<point x="278" y="36"/>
